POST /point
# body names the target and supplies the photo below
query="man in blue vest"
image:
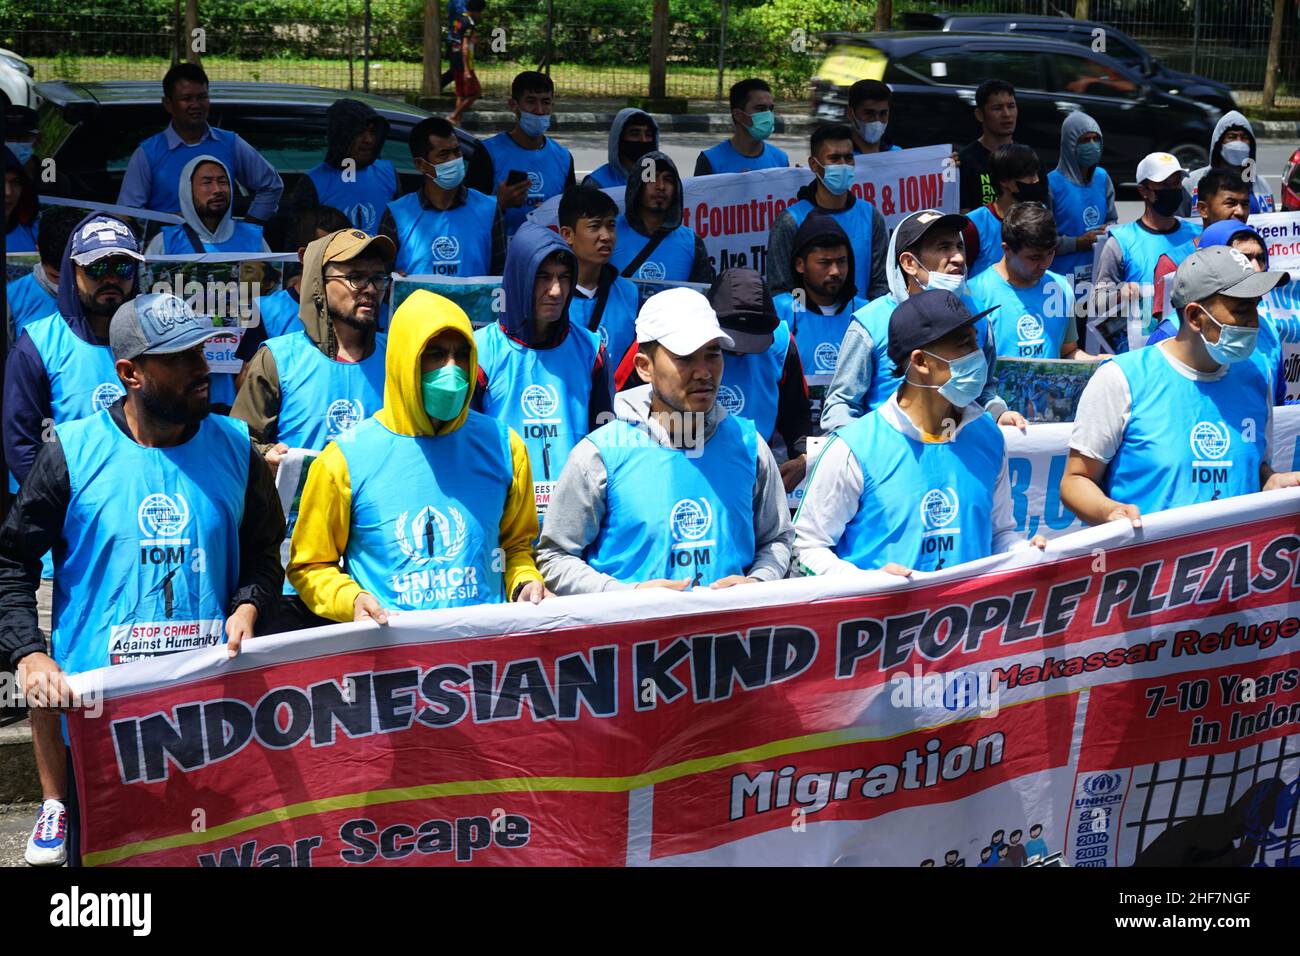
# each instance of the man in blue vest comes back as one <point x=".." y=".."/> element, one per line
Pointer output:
<point x="675" y="492"/>
<point x="158" y="481"/>
<point x="632" y="134"/>
<point x="528" y="167"/>
<point x="278" y="311"/>
<point x="922" y="482"/>
<point x="209" y="226"/>
<point x="867" y="113"/>
<point x="155" y="167"/>
<point x="753" y="110"/>
<point x="353" y="177"/>
<point x="831" y="159"/>
<point x="538" y="372"/>
<point x="35" y="295"/>
<point x="444" y="227"/>
<point x="926" y="252"/>
<point x="1187" y="420"/>
<point x="819" y="308"/>
<point x="603" y="301"/>
<point x="652" y="241"/>
<point x="762" y="379"/>
<point x="1083" y="196"/>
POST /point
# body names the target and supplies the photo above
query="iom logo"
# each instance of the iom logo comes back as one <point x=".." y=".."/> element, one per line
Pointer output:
<point x="938" y="508"/>
<point x="105" y="395"/>
<point x="1102" y="784"/>
<point x="826" y="356"/>
<point x="1029" y="328"/>
<point x="343" y="415"/>
<point x="604" y="338"/>
<point x="431" y="535"/>
<point x="540" y="401"/>
<point x="1210" y="441"/>
<point x="691" y="519"/>
<point x="163" y="519"/>
<point x="535" y="183"/>
<point x="651" y="270"/>
<point x="445" y="248"/>
<point x="1091" y="217"/>
<point x="731" y="398"/>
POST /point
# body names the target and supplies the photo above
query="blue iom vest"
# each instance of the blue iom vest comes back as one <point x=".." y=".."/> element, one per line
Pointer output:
<point x="149" y="557"/>
<point x="321" y="399"/>
<point x="21" y="238"/>
<point x="247" y="237"/>
<point x="279" y="312"/>
<point x="818" y="338"/>
<point x="426" y="513"/>
<point x="925" y="505"/>
<point x="672" y="260"/>
<point x="723" y="158"/>
<point x="989" y="227"/>
<point x="673" y="515"/>
<point x="1077" y="209"/>
<point x="1185" y="441"/>
<point x="751" y="383"/>
<point x="1028" y="323"/>
<point x="543" y="394"/>
<point x="1142" y="249"/>
<point x="444" y="242"/>
<point x="82" y="378"/>
<point x="617" y="328"/>
<point x="547" y="169"/>
<point x="856" y="221"/>
<point x="607" y="177"/>
<point x="28" y="301"/>
<point x="363" y="199"/>
<point x="166" y="165"/>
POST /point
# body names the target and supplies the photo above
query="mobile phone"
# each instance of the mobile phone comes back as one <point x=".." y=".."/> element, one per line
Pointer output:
<point x="515" y="176"/>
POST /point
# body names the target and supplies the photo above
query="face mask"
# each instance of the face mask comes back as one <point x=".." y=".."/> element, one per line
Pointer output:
<point x="1235" y="153"/>
<point x="1167" y="201"/>
<point x="1235" y="344"/>
<point x="872" y="132"/>
<point x="1088" y="154"/>
<point x="967" y="376"/>
<point x="764" y="123"/>
<point x="1030" y="192"/>
<point x="534" y="124"/>
<point x="444" y="391"/>
<point x="837" y="179"/>
<point x="21" y="150"/>
<point x="630" y="152"/>
<point x="944" y="282"/>
<point x="448" y="175"/>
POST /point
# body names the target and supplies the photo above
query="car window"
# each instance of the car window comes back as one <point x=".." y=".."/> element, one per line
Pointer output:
<point x="396" y="150"/>
<point x="291" y="143"/>
<point x="1084" y="77"/>
<point x="956" y="66"/>
<point x="107" y="141"/>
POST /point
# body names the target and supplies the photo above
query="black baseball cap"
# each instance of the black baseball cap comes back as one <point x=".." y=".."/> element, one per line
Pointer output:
<point x="922" y="320"/>
<point x="745" y="310"/>
<point x="912" y="229"/>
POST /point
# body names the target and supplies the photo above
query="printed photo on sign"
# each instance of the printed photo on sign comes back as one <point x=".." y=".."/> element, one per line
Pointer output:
<point x="1043" y="390"/>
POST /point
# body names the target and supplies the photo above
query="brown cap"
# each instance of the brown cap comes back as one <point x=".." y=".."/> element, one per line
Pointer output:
<point x="348" y="244"/>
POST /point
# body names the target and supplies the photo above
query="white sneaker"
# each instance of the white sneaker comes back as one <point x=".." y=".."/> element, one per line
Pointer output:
<point x="47" y="846"/>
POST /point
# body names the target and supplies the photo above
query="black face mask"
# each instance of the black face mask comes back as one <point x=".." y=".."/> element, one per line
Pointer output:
<point x="1167" y="201"/>
<point x="1030" y="192"/>
<point x="630" y="152"/>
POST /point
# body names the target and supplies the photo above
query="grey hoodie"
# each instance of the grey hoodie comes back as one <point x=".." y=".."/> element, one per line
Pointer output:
<point x="1227" y="121"/>
<point x="577" y="509"/>
<point x="185" y="191"/>
<point x="612" y="173"/>
<point x="1075" y="126"/>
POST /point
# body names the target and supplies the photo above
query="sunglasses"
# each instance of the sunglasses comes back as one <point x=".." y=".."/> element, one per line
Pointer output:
<point x="123" y="269"/>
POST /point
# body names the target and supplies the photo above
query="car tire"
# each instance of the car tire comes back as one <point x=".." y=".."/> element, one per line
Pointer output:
<point x="1191" y="156"/>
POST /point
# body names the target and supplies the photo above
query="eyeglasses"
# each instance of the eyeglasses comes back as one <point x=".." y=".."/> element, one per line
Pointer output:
<point x="123" y="268"/>
<point x="358" y="281"/>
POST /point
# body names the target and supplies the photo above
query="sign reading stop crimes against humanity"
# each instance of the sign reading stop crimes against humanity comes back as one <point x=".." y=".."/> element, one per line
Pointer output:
<point x="733" y="212"/>
<point x="997" y="713"/>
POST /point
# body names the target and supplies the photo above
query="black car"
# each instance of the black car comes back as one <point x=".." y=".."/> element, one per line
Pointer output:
<point x="1118" y="45"/>
<point x="933" y="76"/>
<point x="91" y="130"/>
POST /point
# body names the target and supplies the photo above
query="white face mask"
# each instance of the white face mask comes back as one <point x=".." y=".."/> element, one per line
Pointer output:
<point x="942" y="281"/>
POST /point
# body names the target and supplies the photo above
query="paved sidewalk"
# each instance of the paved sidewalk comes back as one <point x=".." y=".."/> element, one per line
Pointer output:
<point x="16" y="821"/>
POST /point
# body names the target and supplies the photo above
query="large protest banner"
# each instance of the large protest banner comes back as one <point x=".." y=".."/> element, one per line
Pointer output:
<point x="1127" y="696"/>
<point x="733" y="212"/>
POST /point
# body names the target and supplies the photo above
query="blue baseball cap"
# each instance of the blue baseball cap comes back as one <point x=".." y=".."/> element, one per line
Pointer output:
<point x="923" y="319"/>
<point x="156" y="324"/>
<point x="104" y="236"/>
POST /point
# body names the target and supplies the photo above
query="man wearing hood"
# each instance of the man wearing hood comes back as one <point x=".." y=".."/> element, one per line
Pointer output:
<point x="35" y="295"/>
<point x="544" y="377"/>
<point x="444" y="227"/>
<point x="633" y="134"/>
<point x="428" y="499"/>
<point x="102" y="490"/>
<point x="1232" y="146"/>
<point x="279" y="310"/>
<point x="675" y="492"/>
<point x="155" y="166"/>
<point x="819" y="307"/>
<point x="753" y="111"/>
<point x="830" y="156"/>
<point x="652" y="241"/>
<point x="925" y="252"/>
<point x="352" y="178"/>
<point x="762" y="378"/>
<point x="1083" y="196"/>
<point x="209" y="225"/>
<point x="20" y="206"/>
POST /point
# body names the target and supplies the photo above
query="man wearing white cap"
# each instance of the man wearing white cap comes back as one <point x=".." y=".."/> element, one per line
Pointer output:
<point x="1186" y="420"/>
<point x="675" y="493"/>
<point x="1152" y="246"/>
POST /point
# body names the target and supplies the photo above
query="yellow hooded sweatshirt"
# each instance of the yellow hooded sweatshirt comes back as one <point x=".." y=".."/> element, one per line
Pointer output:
<point x="320" y="538"/>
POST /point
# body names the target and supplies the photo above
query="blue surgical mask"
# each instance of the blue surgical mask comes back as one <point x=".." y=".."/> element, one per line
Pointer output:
<point x="1088" y="154"/>
<point x="448" y="175"/>
<point x="966" y="379"/>
<point x="21" y="150"/>
<point x="764" y="122"/>
<point x="1236" y="344"/>
<point x="534" y="124"/>
<point x="443" y="392"/>
<point x="946" y="283"/>
<point x="872" y="132"/>
<point x="837" y="179"/>
<point x="1235" y="153"/>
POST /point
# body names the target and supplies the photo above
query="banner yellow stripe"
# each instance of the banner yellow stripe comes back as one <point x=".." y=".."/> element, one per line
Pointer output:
<point x="373" y="798"/>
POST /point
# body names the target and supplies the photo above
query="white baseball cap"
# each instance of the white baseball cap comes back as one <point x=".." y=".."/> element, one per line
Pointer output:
<point x="1157" y="167"/>
<point x="681" y="320"/>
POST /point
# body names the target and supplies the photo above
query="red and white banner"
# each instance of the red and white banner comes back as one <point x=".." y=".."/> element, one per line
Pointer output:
<point x="1124" y="697"/>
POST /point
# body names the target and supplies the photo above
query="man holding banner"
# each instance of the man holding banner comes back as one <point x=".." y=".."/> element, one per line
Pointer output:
<point x="676" y="493"/>
<point x="1187" y="420"/>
